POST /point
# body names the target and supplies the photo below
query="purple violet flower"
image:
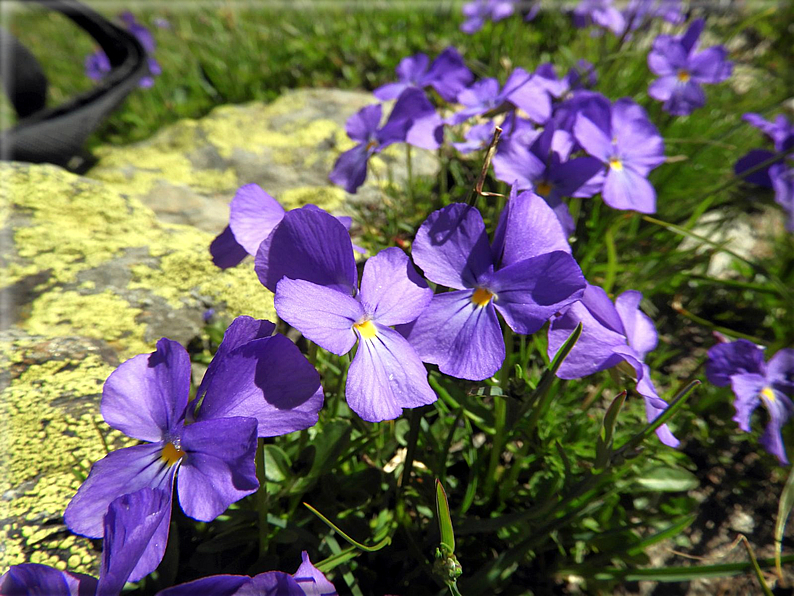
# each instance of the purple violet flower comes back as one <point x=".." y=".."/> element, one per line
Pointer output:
<point x="612" y="334"/>
<point x="255" y="386"/>
<point x="527" y="275"/>
<point x="600" y="12"/>
<point x="683" y="70"/>
<point x="306" y="581"/>
<point x="629" y="146"/>
<point x="479" y="11"/>
<point x="521" y="90"/>
<point x="308" y="261"/>
<point x="478" y="137"/>
<point x="413" y="119"/>
<point x="780" y="132"/>
<point x="754" y="382"/>
<point x="448" y="75"/>
<point x="640" y="12"/>
<point x="129" y="525"/>
<point x="97" y="65"/>
<point x="253" y="215"/>
<point x="544" y="167"/>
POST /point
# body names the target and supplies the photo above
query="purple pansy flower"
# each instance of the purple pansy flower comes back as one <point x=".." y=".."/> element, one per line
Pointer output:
<point x="639" y="12"/>
<point x="477" y="137"/>
<point x="611" y="334"/>
<point x="521" y="90"/>
<point x="683" y="70"/>
<point x="600" y="12"/>
<point x="306" y="581"/>
<point x="413" y="119"/>
<point x="97" y="65"/>
<point x="544" y="167"/>
<point x="626" y="142"/>
<point x="308" y="261"/>
<point x="448" y="75"/>
<point x="479" y="11"/>
<point x="253" y="215"/>
<point x="255" y="386"/>
<point x="129" y="525"/>
<point x="527" y="275"/>
<point x="754" y="382"/>
<point x="780" y="132"/>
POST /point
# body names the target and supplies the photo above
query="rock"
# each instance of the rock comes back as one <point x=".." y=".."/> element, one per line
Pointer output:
<point x="188" y="172"/>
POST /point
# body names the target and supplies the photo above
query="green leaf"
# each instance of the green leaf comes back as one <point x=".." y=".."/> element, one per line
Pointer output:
<point x="668" y="480"/>
<point x="344" y="556"/>
<point x="783" y="510"/>
<point x="444" y="519"/>
<point x="604" y="440"/>
<point x="325" y="449"/>
<point x="277" y="464"/>
<point x="370" y="549"/>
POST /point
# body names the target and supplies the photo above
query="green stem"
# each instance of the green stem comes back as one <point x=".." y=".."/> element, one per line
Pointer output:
<point x="414" y="421"/>
<point x="410" y="168"/>
<point x="262" y="503"/>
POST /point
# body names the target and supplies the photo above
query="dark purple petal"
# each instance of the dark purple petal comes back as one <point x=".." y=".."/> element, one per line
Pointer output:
<point x="526" y="93"/>
<point x="146" y="396"/>
<point x="311" y="579"/>
<point x="386" y="376"/>
<point x="33" y="579"/>
<point x="547" y="78"/>
<point x="448" y="74"/>
<point x="592" y="138"/>
<point x="120" y="472"/>
<point x="751" y="160"/>
<point x="667" y="57"/>
<point x="732" y="358"/>
<point x="132" y="523"/>
<point x="710" y="65"/>
<point x="412" y="68"/>
<point x="626" y="189"/>
<point x="272" y="583"/>
<point x="411" y="107"/>
<point x="350" y="169"/>
<point x="690" y="38"/>
<point x="579" y="177"/>
<point x="267" y="379"/>
<point x="515" y="164"/>
<point x="362" y="125"/>
<point x="782" y="178"/>
<point x="219" y="467"/>
<point x="462" y="338"/>
<point x="780" y="371"/>
<point x="685" y="99"/>
<point x="308" y="244"/>
<point x="529" y="292"/>
<point x="216" y="585"/>
<point x="226" y="251"/>
<point x="392" y="292"/>
<point x="640" y="330"/>
<point x="747" y="387"/>
<point x="254" y="214"/>
<point x="323" y="315"/>
<point x="452" y="248"/>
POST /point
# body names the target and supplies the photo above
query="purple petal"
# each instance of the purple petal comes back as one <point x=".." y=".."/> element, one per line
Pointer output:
<point x="452" y="248"/>
<point x="667" y="57"/>
<point x="686" y="98"/>
<point x="463" y="339"/>
<point x="146" y="396"/>
<point x="690" y="38"/>
<point x="308" y="244"/>
<point x="515" y="163"/>
<point x="136" y="533"/>
<point x="311" y="579"/>
<point x="780" y="370"/>
<point x="226" y="251"/>
<point x="747" y="387"/>
<point x="219" y="467"/>
<point x="392" y="292"/>
<point x="411" y="107"/>
<point x="751" y="160"/>
<point x="34" y="579"/>
<point x="529" y="292"/>
<point x="626" y="189"/>
<point x="710" y="66"/>
<point x="390" y="91"/>
<point x="324" y="315"/>
<point x="426" y="132"/>
<point x="254" y="214"/>
<point x="592" y="138"/>
<point x="216" y="585"/>
<point x="576" y="178"/>
<point x="782" y="178"/>
<point x="731" y="358"/>
<point x="412" y="68"/>
<point x="448" y="74"/>
<point x="640" y="330"/>
<point x="350" y="169"/>
<point x="663" y="88"/>
<point x="118" y="473"/>
<point x="524" y="92"/>
<point x="654" y="405"/>
<point x="386" y="376"/>
<point x="272" y="583"/>
<point x="780" y="409"/>
<point x="362" y="125"/>
<point x="267" y="379"/>
<point x="639" y="144"/>
<point x="97" y="65"/>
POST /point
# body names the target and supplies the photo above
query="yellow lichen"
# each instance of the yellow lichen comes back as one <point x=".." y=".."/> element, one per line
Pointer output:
<point x="327" y="197"/>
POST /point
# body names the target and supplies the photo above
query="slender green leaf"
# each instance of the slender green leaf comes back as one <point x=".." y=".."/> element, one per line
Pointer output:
<point x="444" y="519"/>
<point x="351" y="552"/>
<point x="756" y="568"/>
<point x="666" y="479"/>
<point x="370" y="549"/>
<point x="783" y="510"/>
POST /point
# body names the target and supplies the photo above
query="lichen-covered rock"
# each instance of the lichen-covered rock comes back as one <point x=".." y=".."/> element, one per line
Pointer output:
<point x="188" y="172"/>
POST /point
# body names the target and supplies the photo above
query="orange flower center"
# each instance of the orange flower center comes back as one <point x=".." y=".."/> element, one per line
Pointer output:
<point x="171" y="454"/>
<point x="543" y="189"/>
<point x="683" y="76"/>
<point x="366" y="329"/>
<point x="481" y="297"/>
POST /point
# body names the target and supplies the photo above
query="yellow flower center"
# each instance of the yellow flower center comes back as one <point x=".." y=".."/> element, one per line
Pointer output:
<point x="543" y="189"/>
<point x="171" y="454"/>
<point x="768" y="394"/>
<point x="616" y="164"/>
<point x="481" y="297"/>
<point x="366" y="329"/>
<point x="683" y="76"/>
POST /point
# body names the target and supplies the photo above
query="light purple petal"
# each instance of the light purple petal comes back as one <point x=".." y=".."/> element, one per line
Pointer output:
<point x="146" y="396"/>
<point x="747" y="387"/>
<point x="392" y="292"/>
<point x="640" y="330"/>
<point x="323" y="315"/>
<point x="526" y="93"/>
<point x="272" y="583"/>
<point x="362" y="125"/>
<point x="780" y="370"/>
<point x="412" y="68"/>
<point x="686" y="98"/>
<point x="390" y="91"/>
<point x="350" y="169"/>
<point x="267" y="379"/>
<point x="593" y="139"/>
<point x="386" y="376"/>
<point x="710" y="65"/>
<point x="654" y="406"/>
<point x="732" y="358"/>
<point x="410" y="108"/>
<point x="254" y="214"/>
<point x="308" y="244"/>
<point x="226" y="251"/>
<point x="219" y="467"/>
<point x="136" y="533"/>
<point x="118" y="473"/>
<point x="448" y="74"/>
<point x="663" y="88"/>
<point x="667" y="57"/>
<point x="452" y="248"/>
<point x="626" y="189"/>
<point x="515" y="163"/>
<point x="782" y="178"/>
<point x="463" y="339"/>
<point x="780" y="409"/>
<point x="311" y="579"/>
<point x="529" y="292"/>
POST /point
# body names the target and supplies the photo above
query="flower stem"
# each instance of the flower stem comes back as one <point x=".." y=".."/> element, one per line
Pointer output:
<point x="262" y="503"/>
